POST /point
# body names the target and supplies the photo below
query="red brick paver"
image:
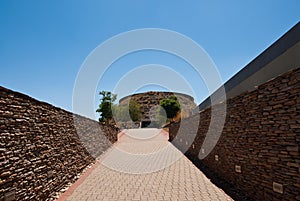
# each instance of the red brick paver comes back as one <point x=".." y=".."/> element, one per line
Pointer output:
<point x="143" y="165"/>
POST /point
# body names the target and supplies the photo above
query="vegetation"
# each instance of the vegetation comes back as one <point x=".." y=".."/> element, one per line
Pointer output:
<point x="126" y="112"/>
<point x="135" y="111"/>
<point x="169" y="109"/>
<point x="120" y="113"/>
<point x="171" y="106"/>
<point x="105" y="106"/>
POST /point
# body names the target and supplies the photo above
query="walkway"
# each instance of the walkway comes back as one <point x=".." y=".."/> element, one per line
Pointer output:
<point x="143" y="165"/>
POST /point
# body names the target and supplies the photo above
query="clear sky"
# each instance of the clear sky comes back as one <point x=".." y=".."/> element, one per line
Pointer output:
<point x="44" y="43"/>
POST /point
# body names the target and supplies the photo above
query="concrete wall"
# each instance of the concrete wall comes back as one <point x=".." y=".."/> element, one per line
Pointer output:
<point x="281" y="56"/>
<point x="258" y="151"/>
<point x="40" y="149"/>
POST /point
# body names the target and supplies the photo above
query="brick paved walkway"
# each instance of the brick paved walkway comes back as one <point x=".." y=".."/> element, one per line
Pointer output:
<point x="143" y="165"/>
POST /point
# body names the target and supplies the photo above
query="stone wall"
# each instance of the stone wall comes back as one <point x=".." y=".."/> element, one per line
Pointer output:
<point x="41" y="149"/>
<point x="151" y="99"/>
<point x="258" y="151"/>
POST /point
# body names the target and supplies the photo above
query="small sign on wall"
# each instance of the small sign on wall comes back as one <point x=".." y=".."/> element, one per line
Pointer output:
<point x="238" y="168"/>
<point x="277" y="187"/>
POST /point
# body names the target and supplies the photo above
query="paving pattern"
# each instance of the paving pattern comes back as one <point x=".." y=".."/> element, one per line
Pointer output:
<point x="143" y="165"/>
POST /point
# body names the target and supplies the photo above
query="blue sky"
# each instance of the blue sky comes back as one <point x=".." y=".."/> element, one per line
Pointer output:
<point x="44" y="43"/>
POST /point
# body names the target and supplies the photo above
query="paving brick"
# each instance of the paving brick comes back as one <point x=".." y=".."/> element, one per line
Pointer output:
<point x="152" y="169"/>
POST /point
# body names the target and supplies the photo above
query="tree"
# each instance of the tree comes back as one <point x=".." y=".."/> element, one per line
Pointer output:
<point x="105" y="106"/>
<point x="171" y="106"/>
<point x="124" y="113"/>
<point x="120" y="113"/>
<point x="135" y="111"/>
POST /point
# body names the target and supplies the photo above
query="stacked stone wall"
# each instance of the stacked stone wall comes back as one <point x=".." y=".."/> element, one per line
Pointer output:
<point x="41" y="149"/>
<point x="258" y="151"/>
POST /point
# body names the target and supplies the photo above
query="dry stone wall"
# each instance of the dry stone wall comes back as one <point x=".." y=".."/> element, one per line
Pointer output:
<point x="258" y="151"/>
<point x="151" y="99"/>
<point x="41" y="150"/>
